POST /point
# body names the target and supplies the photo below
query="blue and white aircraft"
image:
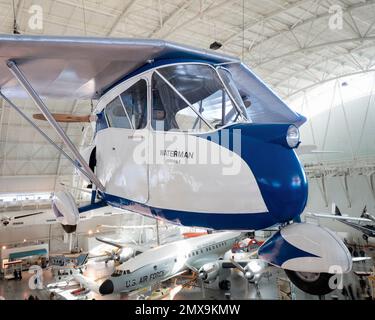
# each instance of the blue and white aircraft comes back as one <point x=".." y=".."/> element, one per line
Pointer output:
<point x="182" y="134"/>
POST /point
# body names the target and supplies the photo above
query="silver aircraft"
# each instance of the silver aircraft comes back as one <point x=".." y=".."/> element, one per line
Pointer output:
<point x="202" y="255"/>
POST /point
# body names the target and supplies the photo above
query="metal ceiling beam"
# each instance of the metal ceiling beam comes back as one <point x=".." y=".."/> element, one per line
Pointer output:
<point x="314" y="48"/>
<point x="265" y="18"/>
<point x="162" y="28"/>
<point x="199" y="15"/>
<point x="121" y="16"/>
<point x="318" y="62"/>
<point x="282" y="33"/>
<point x="327" y="80"/>
<point x="110" y="13"/>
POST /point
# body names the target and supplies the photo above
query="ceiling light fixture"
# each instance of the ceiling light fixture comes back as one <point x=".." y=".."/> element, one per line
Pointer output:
<point x="215" y="45"/>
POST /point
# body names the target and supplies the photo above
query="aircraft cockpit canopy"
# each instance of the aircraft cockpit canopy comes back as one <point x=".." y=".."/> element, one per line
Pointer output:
<point x="195" y="97"/>
<point x="119" y="272"/>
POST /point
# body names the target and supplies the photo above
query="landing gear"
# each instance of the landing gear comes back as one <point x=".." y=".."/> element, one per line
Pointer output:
<point x="312" y="283"/>
<point x="224" y="285"/>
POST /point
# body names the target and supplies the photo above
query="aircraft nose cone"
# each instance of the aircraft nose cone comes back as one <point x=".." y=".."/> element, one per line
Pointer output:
<point x="106" y="287"/>
<point x="277" y="170"/>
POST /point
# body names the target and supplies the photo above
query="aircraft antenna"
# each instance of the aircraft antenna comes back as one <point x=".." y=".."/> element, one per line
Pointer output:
<point x="15" y="25"/>
<point x="84" y="17"/>
<point x="243" y="30"/>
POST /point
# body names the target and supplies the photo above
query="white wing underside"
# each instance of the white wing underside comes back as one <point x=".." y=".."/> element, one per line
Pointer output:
<point x="345" y="218"/>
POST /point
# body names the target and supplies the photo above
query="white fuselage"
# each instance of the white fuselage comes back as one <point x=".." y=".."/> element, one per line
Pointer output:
<point x="155" y="167"/>
<point x="161" y="263"/>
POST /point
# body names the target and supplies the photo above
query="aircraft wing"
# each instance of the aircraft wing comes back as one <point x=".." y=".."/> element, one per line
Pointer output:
<point x="332" y="216"/>
<point x="197" y="264"/>
<point x="119" y="244"/>
<point x="312" y="149"/>
<point x="360" y="259"/>
<point x="83" y="67"/>
<point x="86" y="282"/>
<point x="127" y="227"/>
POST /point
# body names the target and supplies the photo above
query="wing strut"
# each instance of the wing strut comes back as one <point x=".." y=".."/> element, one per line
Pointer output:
<point x="43" y="134"/>
<point x="17" y="73"/>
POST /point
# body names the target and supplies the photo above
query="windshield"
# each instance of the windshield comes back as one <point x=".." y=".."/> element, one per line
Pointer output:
<point x="193" y="97"/>
<point x="119" y="272"/>
<point x="230" y="85"/>
<point x="263" y="105"/>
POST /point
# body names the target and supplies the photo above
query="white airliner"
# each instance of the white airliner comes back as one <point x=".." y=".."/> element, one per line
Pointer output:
<point x="47" y="216"/>
<point x="201" y="254"/>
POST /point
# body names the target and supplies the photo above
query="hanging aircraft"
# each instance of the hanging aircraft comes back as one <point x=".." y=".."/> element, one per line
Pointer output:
<point x="26" y="218"/>
<point x="16" y="220"/>
<point x="186" y="135"/>
<point x="365" y="223"/>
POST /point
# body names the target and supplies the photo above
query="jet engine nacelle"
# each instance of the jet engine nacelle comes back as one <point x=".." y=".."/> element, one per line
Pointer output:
<point x="306" y="247"/>
<point x="65" y="210"/>
<point x="124" y="255"/>
<point x="5" y="221"/>
<point x="209" y="272"/>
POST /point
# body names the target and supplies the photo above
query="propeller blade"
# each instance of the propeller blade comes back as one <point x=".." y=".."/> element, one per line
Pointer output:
<point x="28" y="215"/>
<point x="192" y="268"/>
<point x="203" y="289"/>
<point x="61" y="117"/>
<point x="98" y="256"/>
<point x="238" y="266"/>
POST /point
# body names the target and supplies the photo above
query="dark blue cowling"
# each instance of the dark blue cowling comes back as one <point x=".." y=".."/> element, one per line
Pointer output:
<point x="276" y="167"/>
<point x="276" y="250"/>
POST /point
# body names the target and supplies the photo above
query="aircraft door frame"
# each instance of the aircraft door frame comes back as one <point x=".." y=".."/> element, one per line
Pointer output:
<point x="125" y="177"/>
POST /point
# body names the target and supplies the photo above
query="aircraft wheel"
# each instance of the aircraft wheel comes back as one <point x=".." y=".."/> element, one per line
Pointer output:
<point x="312" y="283"/>
<point x="224" y="285"/>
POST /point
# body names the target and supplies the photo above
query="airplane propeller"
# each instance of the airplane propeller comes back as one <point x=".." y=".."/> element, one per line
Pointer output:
<point x="67" y="118"/>
<point x="252" y="272"/>
<point x="199" y="276"/>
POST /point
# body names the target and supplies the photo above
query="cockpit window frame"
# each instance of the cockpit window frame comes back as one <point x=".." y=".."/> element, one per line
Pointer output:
<point x="147" y="76"/>
<point x="120" y="89"/>
<point x="197" y="112"/>
<point x="239" y="110"/>
<point x="185" y="100"/>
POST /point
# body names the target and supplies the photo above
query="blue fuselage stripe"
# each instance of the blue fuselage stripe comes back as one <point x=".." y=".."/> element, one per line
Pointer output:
<point x="277" y="250"/>
<point x="211" y="220"/>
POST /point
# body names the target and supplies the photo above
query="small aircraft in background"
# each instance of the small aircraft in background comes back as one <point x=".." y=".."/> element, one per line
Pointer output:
<point x="202" y="255"/>
<point x="132" y="243"/>
<point x="365" y="223"/>
<point x="69" y="223"/>
<point x="64" y="266"/>
<point x="18" y="220"/>
<point x="187" y="135"/>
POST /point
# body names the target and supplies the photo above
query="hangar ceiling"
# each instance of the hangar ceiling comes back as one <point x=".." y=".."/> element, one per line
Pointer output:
<point x="291" y="45"/>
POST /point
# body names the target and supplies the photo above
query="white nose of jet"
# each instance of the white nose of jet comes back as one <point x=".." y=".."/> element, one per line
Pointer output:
<point x="106" y="287"/>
